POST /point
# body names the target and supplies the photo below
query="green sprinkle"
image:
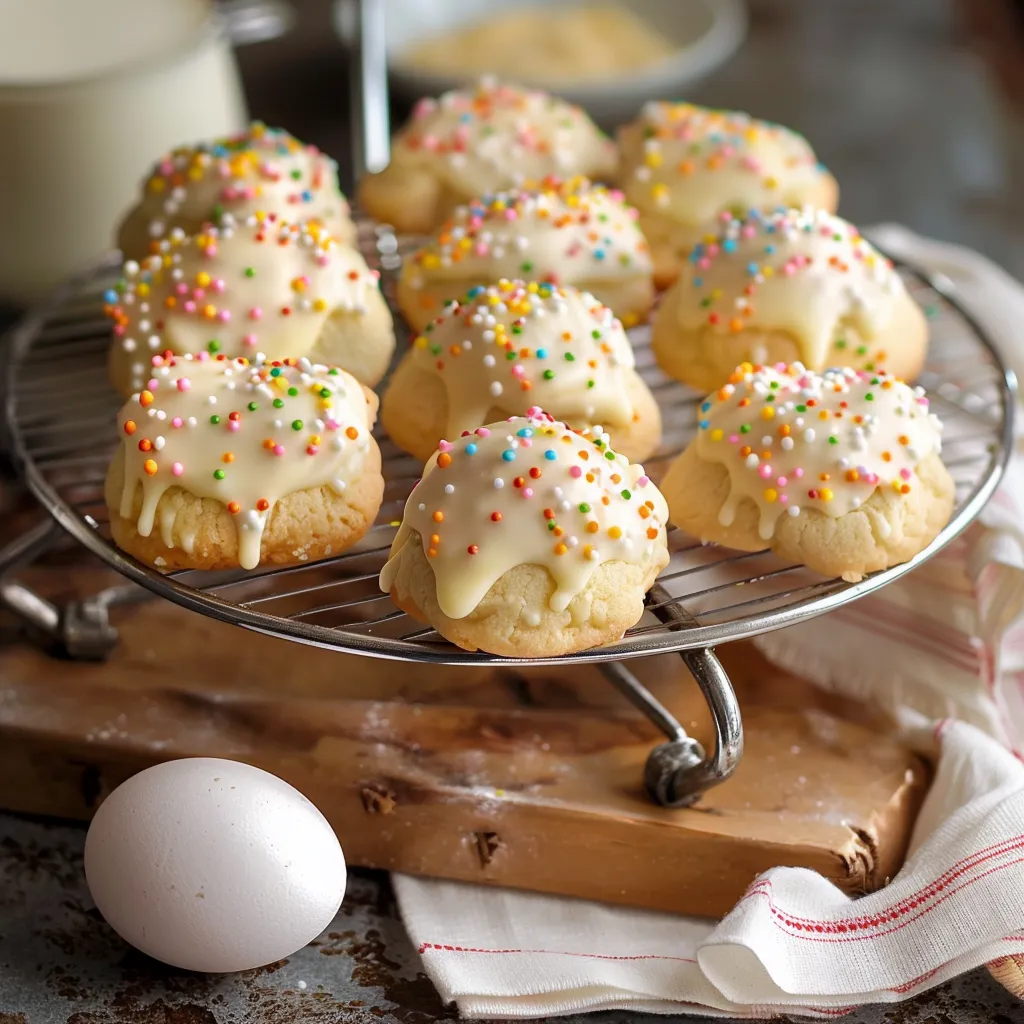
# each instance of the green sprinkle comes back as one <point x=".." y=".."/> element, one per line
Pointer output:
<point x="526" y="267"/>
<point x="584" y="508"/>
<point x="833" y="439"/>
<point x="801" y="408"/>
<point x="745" y="429"/>
<point x="213" y="347"/>
<point x="931" y="312"/>
<point x="551" y="524"/>
<point x="610" y="455"/>
<point x="840" y="343"/>
<point x="516" y="329"/>
<point x="293" y="392"/>
<point x="510" y="356"/>
<point x="296" y="175"/>
<point x="278" y="403"/>
<point x="590" y="383"/>
<point x="595" y="334"/>
<point x="253" y="406"/>
<point x="569" y="357"/>
<point x="219" y="474"/>
<point x="296" y="424"/>
<point x="326" y="392"/>
<point x="862" y="350"/>
<point x="276" y="371"/>
<point x="333" y="372"/>
<point x="250" y="271"/>
<point x="215" y="419"/>
<point x="549" y="374"/>
<point x="627" y="495"/>
<point x="868" y="397"/>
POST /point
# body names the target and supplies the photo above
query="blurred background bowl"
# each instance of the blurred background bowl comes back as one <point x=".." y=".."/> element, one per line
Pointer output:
<point x="703" y="34"/>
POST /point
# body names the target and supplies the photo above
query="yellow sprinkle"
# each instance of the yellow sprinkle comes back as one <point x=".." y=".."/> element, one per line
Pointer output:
<point x="320" y="305"/>
<point x="717" y="434"/>
<point x="653" y="159"/>
<point x="156" y="184"/>
<point x="614" y="532"/>
<point x="768" y="413"/>
<point x="771" y="495"/>
<point x="142" y="289"/>
<point x="202" y="279"/>
<point x="560" y="549"/>
<point x="825" y="494"/>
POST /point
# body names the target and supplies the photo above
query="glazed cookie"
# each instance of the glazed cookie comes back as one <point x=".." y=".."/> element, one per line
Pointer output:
<point x="527" y="539"/>
<point x="789" y="286"/>
<point x="262" y="170"/>
<point x="227" y="463"/>
<point x="682" y="165"/>
<point x="476" y="141"/>
<point x="839" y="471"/>
<point x="511" y="346"/>
<point x="565" y="233"/>
<point x="264" y="286"/>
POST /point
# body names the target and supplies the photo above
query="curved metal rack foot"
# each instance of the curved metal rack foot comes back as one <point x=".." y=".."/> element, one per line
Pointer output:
<point x="61" y="431"/>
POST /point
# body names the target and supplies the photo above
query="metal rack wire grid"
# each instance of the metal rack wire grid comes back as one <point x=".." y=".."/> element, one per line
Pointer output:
<point x="60" y="417"/>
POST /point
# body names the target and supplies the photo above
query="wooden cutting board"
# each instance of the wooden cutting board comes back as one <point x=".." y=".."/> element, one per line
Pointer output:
<point x="529" y="778"/>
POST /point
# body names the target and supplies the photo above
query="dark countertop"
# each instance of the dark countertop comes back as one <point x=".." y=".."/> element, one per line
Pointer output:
<point x="59" y="962"/>
<point x="901" y="112"/>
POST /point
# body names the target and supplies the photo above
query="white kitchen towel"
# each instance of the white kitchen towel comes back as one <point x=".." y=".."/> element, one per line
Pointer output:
<point x="950" y="636"/>
<point x="793" y="944"/>
<point x="952" y="643"/>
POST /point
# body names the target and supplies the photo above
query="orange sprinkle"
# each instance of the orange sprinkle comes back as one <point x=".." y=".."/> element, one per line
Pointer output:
<point x="234" y="508"/>
<point x="130" y="427"/>
<point x="228" y="457"/>
<point x="438" y="516"/>
<point x="652" y="533"/>
<point x="560" y="549"/>
<point x="146" y="399"/>
<point x="145" y="445"/>
<point x="351" y="433"/>
<point x="592" y="527"/>
<point x="887" y="456"/>
<point x="150" y="467"/>
<point x="262" y="505"/>
<point x="444" y="460"/>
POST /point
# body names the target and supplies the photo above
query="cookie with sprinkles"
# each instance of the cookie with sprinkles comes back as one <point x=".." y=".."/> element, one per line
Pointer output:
<point x="787" y="286"/>
<point x="508" y="347"/>
<point x="564" y="233"/>
<point x="527" y="539"/>
<point x="226" y="463"/>
<point x="260" y="170"/>
<point x="262" y="286"/>
<point x="840" y="471"/>
<point x="477" y="141"/>
<point x="682" y="165"/>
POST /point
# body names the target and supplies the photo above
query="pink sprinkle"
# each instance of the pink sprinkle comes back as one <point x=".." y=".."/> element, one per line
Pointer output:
<point x="332" y="424"/>
<point x="444" y="446"/>
<point x="224" y="316"/>
<point x="279" y="449"/>
<point x="905" y="474"/>
<point x="783" y="499"/>
<point x="234" y="425"/>
<point x="798" y="472"/>
<point x="210" y="251"/>
<point x="202" y="356"/>
<point x="782" y="481"/>
<point x="255" y="313"/>
<point x="642" y="481"/>
<point x="526" y="442"/>
<point x="190" y="306"/>
<point x="177" y="469"/>
<point x="152" y="384"/>
<point x="219" y="285"/>
<point x="177" y="421"/>
<point x="704" y="263"/>
<point x="119" y="330"/>
<point x="181" y="288"/>
<point x="527" y="492"/>
<point x="198" y="294"/>
<point x="713" y="249"/>
<point x="734" y="439"/>
<point x="517" y="370"/>
<point x="511" y="214"/>
<point x="575" y="472"/>
<point x="749" y="231"/>
<point x="323" y="260"/>
<point x="249" y="339"/>
<point x="764" y="471"/>
<point x="166" y="168"/>
<point x="482" y="432"/>
<point x="184" y="383"/>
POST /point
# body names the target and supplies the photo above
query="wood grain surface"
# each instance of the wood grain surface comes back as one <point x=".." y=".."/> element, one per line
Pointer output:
<point x="528" y="778"/>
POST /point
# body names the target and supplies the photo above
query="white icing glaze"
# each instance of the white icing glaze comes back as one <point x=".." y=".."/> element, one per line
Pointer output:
<point x="793" y="439"/>
<point x="528" y="491"/>
<point x="807" y="272"/>
<point x="512" y="346"/>
<point x="234" y="431"/>
<point x="568" y="232"/>
<point x="493" y="136"/>
<point x="261" y="170"/>
<point x="265" y="286"/>
<point x="687" y="163"/>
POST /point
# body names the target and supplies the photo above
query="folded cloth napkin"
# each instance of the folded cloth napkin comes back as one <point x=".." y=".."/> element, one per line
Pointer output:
<point x="953" y="644"/>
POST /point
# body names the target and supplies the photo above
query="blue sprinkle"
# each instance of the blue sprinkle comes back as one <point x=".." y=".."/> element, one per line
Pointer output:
<point x="524" y="432"/>
<point x="475" y="290"/>
<point x="599" y="254"/>
<point x="703" y="424"/>
<point x="698" y="282"/>
<point x="551" y="455"/>
<point x="508" y="454"/>
<point x="470" y="449"/>
<point x="769" y="249"/>
<point x="752" y="268"/>
<point x="729" y="245"/>
<point x="110" y="296"/>
<point x="705" y="406"/>
<point x="466" y="118"/>
<point x="307" y="196"/>
<point x="542" y="353"/>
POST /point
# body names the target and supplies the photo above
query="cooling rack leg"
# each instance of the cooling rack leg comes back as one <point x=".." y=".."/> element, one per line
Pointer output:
<point x="80" y="629"/>
<point x="678" y="772"/>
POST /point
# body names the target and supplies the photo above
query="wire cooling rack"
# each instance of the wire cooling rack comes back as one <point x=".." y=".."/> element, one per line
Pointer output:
<point x="60" y="414"/>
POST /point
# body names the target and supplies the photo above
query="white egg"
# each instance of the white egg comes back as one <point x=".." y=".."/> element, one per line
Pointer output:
<point x="213" y="865"/>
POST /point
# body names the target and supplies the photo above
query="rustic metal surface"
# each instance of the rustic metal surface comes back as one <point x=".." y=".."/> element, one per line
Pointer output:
<point x="59" y="962"/>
